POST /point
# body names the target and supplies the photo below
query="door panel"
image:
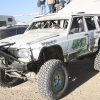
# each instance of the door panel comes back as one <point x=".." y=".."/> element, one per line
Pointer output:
<point x="78" y="38"/>
<point x="77" y="42"/>
<point x="92" y="29"/>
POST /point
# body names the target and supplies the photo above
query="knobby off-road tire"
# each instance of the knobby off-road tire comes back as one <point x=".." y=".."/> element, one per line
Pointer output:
<point x="6" y="81"/>
<point x="53" y="79"/>
<point x="97" y="62"/>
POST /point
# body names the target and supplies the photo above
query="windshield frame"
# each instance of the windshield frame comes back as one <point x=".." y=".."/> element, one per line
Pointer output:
<point x="59" y="23"/>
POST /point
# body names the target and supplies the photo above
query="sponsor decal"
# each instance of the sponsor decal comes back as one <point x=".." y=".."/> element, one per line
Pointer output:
<point x="40" y="31"/>
<point x="78" y="43"/>
<point x="63" y="44"/>
<point x="49" y="42"/>
<point x="92" y="41"/>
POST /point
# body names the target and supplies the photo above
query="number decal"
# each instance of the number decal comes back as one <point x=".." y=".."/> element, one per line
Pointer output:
<point x="78" y="43"/>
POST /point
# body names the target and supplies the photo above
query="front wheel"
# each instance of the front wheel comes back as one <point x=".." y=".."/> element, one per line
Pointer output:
<point x="53" y="79"/>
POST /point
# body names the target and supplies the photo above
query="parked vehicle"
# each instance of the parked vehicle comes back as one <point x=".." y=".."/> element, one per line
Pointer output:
<point x="9" y="31"/>
<point x="6" y="20"/>
<point x="40" y="53"/>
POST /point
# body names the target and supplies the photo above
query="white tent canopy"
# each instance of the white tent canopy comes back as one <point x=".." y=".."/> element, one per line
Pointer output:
<point x="88" y="6"/>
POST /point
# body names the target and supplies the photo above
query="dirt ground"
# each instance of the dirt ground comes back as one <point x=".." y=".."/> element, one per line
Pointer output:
<point x="84" y="84"/>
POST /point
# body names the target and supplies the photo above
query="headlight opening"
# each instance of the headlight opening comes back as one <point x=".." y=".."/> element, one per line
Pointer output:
<point x="23" y="53"/>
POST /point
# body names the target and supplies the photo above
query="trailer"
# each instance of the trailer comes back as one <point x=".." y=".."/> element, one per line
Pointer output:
<point x="6" y="20"/>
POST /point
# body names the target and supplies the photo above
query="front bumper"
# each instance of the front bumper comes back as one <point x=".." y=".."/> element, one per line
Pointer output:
<point x="15" y="63"/>
<point x="14" y="66"/>
<point x="19" y="67"/>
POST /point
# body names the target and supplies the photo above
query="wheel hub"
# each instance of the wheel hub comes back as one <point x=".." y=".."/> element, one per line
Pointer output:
<point x="58" y="80"/>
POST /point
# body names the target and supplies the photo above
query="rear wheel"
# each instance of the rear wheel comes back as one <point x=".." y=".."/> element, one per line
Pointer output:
<point x="97" y="62"/>
<point x="6" y="81"/>
<point x="53" y="79"/>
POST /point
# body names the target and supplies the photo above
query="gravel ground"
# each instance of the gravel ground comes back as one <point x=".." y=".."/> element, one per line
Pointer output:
<point x="84" y="84"/>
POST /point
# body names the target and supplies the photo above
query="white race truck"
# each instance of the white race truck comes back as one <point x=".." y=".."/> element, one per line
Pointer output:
<point x="42" y="52"/>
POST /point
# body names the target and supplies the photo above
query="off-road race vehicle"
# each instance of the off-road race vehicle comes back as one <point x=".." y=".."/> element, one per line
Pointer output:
<point x="42" y="52"/>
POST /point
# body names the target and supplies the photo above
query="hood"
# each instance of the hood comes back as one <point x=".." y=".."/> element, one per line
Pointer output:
<point x="30" y="36"/>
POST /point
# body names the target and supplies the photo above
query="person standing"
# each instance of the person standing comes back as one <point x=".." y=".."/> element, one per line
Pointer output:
<point x="50" y="4"/>
<point x="43" y="7"/>
<point x="70" y="0"/>
<point x="56" y="6"/>
<point x="39" y="7"/>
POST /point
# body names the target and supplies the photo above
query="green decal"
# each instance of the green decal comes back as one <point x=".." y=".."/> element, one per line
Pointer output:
<point x="92" y="39"/>
<point x="40" y="30"/>
<point x="63" y="43"/>
<point x="75" y="44"/>
<point x="83" y="42"/>
<point x="78" y="43"/>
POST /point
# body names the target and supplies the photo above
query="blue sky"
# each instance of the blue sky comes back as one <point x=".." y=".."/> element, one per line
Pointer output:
<point x="17" y="7"/>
